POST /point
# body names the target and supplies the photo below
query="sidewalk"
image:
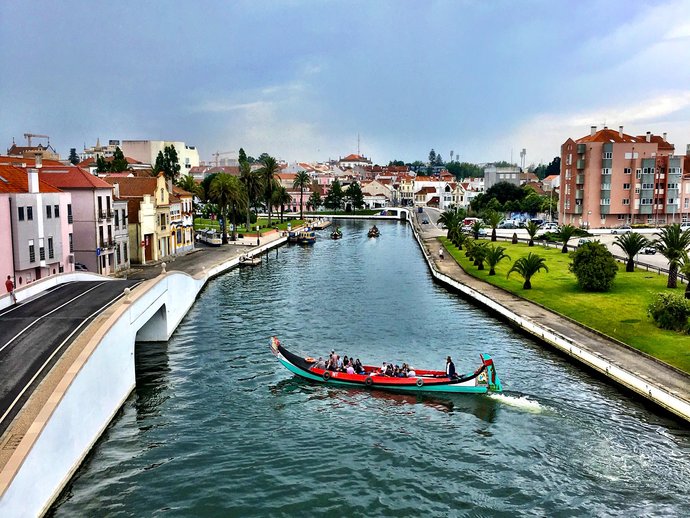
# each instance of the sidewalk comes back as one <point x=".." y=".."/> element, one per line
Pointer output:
<point x="654" y="372"/>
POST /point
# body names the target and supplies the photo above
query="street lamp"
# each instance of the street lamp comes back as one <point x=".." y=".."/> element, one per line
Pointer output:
<point x="589" y="215"/>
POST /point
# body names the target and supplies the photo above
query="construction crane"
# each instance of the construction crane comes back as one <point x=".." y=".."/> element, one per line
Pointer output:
<point x="217" y="154"/>
<point x="29" y="136"/>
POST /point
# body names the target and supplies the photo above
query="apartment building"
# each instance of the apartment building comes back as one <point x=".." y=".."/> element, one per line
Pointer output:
<point x="146" y="151"/>
<point x="92" y="213"/>
<point x="610" y="178"/>
<point x="35" y="226"/>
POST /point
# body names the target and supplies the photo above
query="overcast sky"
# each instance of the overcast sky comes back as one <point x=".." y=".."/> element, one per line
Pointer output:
<point x="301" y="79"/>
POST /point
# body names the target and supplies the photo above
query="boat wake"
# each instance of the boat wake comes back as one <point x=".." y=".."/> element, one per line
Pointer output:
<point x="519" y="401"/>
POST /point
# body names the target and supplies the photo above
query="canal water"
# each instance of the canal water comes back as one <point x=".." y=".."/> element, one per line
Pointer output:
<point x="216" y="427"/>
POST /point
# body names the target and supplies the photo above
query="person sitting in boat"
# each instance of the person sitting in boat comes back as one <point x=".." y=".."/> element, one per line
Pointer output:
<point x="450" y="368"/>
<point x="359" y="369"/>
<point x="382" y="370"/>
<point x="338" y="363"/>
<point x="320" y="363"/>
<point x="403" y="370"/>
<point x="350" y="369"/>
<point x="346" y="361"/>
<point x="411" y="374"/>
<point x="389" y="369"/>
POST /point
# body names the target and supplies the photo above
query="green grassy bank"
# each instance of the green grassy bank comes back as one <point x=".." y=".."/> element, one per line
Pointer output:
<point x="620" y="313"/>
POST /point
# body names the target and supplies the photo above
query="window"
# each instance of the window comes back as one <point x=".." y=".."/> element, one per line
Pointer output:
<point x="606" y="201"/>
<point x="119" y="254"/>
<point x="71" y="243"/>
<point x="627" y="170"/>
<point x="20" y="213"/>
<point x="626" y="201"/>
<point x="41" y="250"/>
<point x="30" y="213"/>
<point x="49" y="211"/>
<point x="117" y="219"/>
<point x="32" y="251"/>
<point x="124" y="251"/>
<point x="646" y="201"/>
<point x="686" y="203"/>
<point x="637" y="190"/>
<point x="51" y="250"/>
<point x="671" y="201"/>
<point x="124" y="219"/>
<point x="673" y="186"/>
<point x="629" y="155"/>
<point x="626" y="186"/>
<point x="648" y="186"/>
<point x="605" y="186"/>
<point x="606" y="170"/>
<point x="607" y="154"/>
<point x="638" y="173"/>
<point x="56" y="211"/>
<point x="69" y="213"/>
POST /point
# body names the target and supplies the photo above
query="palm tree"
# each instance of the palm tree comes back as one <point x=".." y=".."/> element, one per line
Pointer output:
<point x="493" y="218"/>
<point x="281" y="198"/>
<point x="459" y="239"/>
<point x="527" y="267"/>
<point x="532" y="229"/>
<point x="451" y="219"/>
<point x="567" y="231"/>
<point x="188" y="183"/>
<point x="253" y="185"/>
<point x="476" y="227"/>
<point x="631" y="243"/>
<point x="673" y="245"/>
<point x="494" y="255"/>
<point x="685" y="270"/>
<point x="268" y="171"/>
<point x="227" y="191"/>
<point x="480" y="251"/>
<point x="302" y="181"/>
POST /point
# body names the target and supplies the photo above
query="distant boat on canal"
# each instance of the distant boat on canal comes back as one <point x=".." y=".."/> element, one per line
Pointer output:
<point x="337" y="234"/>
<point x="484" y="379"/>
<point x="374" y="232"/>
<point x="302" y="237"/>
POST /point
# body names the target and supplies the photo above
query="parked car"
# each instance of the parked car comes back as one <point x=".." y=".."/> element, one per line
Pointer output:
<point x="506" y="224"/>
<point x="584" y="241"/>
<point x="623" y="229"/>
<point x="549" y="227"/>
<point x="80" y="267"/>
<point x="483" y="232"/>
<point x="685" y="226"/>
<point x="649" y="250"/>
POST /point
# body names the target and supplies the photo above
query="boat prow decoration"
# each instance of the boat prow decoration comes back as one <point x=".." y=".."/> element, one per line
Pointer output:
<point x="484" y="379"/>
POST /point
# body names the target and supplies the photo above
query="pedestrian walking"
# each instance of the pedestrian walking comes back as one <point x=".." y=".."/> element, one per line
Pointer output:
<point x="440" y="253"/>
<point x="10" y="289"/>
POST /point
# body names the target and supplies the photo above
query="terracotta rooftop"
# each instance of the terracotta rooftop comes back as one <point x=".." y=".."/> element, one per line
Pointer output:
<point x="16" y="180"/>
<point x="71" y="177"/>
<point x="610" y="135"/>
<point x="134" y="187"/>
<point x="354" y="158"/>
<point x="30" y="162"/>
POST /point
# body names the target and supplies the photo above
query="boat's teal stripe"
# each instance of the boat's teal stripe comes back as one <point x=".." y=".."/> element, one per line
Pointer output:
<point x="414" y="388"/>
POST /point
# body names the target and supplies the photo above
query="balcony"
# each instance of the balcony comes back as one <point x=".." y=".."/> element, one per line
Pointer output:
<point x="578" y="209"/>
<point x="580" y="163"/>
<point x="581" y="148"/>
<point x="109" y="214"/>
<point x="579" y="194"/>
<point x="101" y="215"/>
<point x="580" y="179"/>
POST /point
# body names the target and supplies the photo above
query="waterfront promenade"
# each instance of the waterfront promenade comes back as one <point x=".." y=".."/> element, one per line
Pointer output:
<point x="618" y="358"/>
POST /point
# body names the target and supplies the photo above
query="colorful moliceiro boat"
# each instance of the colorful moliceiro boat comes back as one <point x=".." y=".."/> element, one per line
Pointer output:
<point x="302" y="237"/>
<point x="481" y="381"/>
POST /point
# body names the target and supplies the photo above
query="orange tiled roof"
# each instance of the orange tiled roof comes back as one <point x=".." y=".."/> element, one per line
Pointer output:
<point x="16" y="180"/>
<point x="353" y="158"/>
<point x="30" y="162"/>
<point x="92" y="161"/>
<point x="71" y="177"/>
<point x="134" y="187"/>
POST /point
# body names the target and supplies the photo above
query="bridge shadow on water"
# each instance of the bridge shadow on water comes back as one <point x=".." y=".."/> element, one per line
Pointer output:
<point x="479" y="405"/>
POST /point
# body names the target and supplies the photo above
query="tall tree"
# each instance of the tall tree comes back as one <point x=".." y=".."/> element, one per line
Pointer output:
<point x="334" y="198"/>
<point x="159" y="165"/>
<point x="281" y="198"/>
<point x="119" y="162"/>
<point x="253" y="185"/>
<point x="101" y="165"/>
<point x="302" y="181"/>
<point x="242" y="156"/>
<point x="673" y="244"/>
<point x="188" y="183"/>
<point x="73" y="157"/>
<point x="452" y="220"/>
<point x="354" y="194"/>
<point x="268" y="171"/>
<point x="228" y="193"/>
<point x="432" y="157"/>
<point x="554" y="167"/>
<point x="172" y="164"/>
<point x="314" y="201"/>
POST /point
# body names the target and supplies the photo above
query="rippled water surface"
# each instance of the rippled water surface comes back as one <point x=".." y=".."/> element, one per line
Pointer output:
<point x="216" y="427"/>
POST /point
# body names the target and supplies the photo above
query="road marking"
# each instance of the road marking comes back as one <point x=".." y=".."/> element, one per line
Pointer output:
<point x="43" y="293"/>
<point x="16" y="400"/>
<point x="43" y="316"/>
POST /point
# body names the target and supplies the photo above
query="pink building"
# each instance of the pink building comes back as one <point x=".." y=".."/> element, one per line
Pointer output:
<point x="610" y="178"/>
<point x="35" y="227"/>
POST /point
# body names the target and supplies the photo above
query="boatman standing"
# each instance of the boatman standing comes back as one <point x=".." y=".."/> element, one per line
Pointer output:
<point x="9" y="285"/>
<point x="450" y="368"/>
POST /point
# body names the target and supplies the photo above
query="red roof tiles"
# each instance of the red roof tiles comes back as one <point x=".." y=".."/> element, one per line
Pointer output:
<point x="71" y="177"/>
<point x="16" y="180"/>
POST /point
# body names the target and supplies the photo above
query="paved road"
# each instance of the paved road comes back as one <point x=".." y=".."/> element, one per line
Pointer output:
<point x="34" y="334"/>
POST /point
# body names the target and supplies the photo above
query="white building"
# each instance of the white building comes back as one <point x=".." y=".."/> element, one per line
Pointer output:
<point x="147" y="150"/>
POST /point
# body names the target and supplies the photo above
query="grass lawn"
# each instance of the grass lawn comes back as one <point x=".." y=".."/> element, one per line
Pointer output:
<point x="201" y="223"/>
<point x="620" y="313"/>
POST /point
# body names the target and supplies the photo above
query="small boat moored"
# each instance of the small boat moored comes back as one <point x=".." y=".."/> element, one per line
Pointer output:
<point x="302" y="237"/>
<point x="484" y="379"/>
<point x="246" y="260"/>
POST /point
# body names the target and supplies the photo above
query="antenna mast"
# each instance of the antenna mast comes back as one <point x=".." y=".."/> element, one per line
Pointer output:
<point x="358" y="144"/>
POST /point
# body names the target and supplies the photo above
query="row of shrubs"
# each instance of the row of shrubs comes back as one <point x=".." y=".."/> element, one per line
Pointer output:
<point x="594" y="267"/>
